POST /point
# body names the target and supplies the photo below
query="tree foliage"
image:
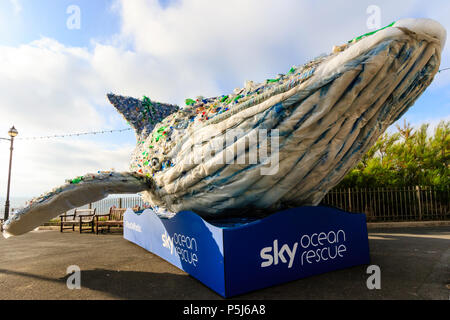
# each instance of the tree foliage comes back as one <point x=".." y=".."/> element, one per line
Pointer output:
<point x="408" y="157"/>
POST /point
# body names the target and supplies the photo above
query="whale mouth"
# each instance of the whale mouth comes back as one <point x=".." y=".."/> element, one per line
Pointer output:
<point x="427" y="27"/>
<point x="420" y="30"/>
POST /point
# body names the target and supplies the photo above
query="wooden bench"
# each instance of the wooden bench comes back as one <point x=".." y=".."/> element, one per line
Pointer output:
<point x="80" y="218"/>
<point x="86" y="218"/>
<point x="113" y="219"/>
<point x="68" y="221"/>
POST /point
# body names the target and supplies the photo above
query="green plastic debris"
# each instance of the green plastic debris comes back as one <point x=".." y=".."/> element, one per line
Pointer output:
<point x="146" y="100"/>
<point x="159" y="133"/>
<point x="273" y="80"/>
<point x="292" y="70"/>
<point x="76" y="180"/>
<point x="147" y="103"/>
<point x="162" y="129"/>
<point x="190" y="102"/>
<point x="224" y="98"/>
<point x="371" y="33"/>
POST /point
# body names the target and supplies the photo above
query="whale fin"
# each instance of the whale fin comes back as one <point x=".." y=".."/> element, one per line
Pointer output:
<point x="143" y="114"/>
<point x="75" y="193"/>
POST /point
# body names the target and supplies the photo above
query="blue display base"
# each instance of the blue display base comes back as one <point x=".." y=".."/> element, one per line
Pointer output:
<point x="236" y="256"/>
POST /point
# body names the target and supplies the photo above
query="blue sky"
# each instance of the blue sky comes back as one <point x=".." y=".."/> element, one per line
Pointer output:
<point x="48" y="18"/>
<point x="54" y="80"/>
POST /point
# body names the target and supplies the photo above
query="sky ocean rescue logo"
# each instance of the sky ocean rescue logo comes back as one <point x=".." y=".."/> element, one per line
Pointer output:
<point x="183" y="246"/>
<point x="315" y="248"/>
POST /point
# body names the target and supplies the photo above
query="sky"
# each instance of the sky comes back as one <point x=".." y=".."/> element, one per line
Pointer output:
<point x="59" y="59"/>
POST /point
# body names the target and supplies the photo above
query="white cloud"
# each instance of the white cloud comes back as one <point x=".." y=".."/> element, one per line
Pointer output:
<point x="47" y="85"/>
<point x="228" y="42"/>
<point x="48" y="88"/>
<point x="17" y="7"/>
<point x="39" y="166"/>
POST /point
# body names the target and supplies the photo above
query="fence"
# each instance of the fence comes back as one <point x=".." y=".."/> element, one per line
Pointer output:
<point x="379" y="204"/>
<point x="393" y="204"/>
<point x="103" y="206"/>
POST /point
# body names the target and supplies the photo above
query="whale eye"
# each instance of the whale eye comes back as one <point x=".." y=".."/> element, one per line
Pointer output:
<point x="155" y="163"/>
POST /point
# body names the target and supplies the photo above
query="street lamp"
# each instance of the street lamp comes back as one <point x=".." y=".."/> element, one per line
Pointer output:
<point x="12" y="133"/>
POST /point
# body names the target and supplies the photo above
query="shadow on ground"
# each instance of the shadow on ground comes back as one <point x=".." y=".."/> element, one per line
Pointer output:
<point x="138" y="285"/>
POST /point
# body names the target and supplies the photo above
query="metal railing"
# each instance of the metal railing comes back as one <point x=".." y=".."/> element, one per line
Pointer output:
<point x="379" y="204"/>
<point x="104" y="205"/>
<point x="393" y="204"/>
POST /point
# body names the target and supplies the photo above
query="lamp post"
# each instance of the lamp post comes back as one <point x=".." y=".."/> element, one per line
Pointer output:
<point x="12" y="133"/>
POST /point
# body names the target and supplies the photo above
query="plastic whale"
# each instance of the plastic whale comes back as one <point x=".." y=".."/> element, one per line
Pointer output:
<point x="293" y="138"/>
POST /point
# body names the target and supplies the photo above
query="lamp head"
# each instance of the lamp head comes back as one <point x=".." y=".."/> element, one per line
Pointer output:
<point x="13" y="132"/>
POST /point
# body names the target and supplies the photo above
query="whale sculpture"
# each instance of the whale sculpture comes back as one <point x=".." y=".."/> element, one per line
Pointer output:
<point x="285" y="142"/>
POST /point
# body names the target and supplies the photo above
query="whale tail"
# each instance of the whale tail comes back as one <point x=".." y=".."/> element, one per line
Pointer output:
<point x="75" y="193"/>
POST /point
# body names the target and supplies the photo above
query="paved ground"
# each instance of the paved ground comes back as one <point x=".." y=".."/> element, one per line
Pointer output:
<point x="414" y="264"/>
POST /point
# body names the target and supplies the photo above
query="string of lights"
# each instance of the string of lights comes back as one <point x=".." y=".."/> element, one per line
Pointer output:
<point x="72" y="134"/>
